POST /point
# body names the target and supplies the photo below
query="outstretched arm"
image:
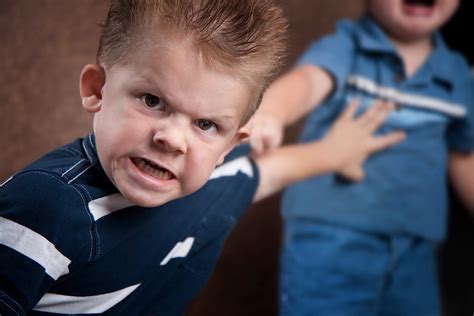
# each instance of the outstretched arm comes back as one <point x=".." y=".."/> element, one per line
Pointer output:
<point x="461" y="172"/>
<point x="343" y="150"/>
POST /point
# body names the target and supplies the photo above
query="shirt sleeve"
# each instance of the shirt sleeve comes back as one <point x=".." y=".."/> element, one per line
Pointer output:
<point x="36" y="243"/>
<point x="460" y="133"/>
<point x="334" y="53"/>
<point x="233" y="184"/>
<point x="189" y="278"/>
<point x="225" y="197"/>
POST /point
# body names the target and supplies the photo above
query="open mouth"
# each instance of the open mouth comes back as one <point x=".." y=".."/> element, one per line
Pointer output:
<point x="424" y="3"/>
<point x="152" y="169"/>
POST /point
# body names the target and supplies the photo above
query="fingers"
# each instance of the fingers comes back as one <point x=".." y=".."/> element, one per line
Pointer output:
<point x="350" y="110"/>
<point x="274" y="141"/>
<point x="375" y="115"/>
<point x="372" y="118"/>
<point x="383" y="111"/>
<point x="262" y="145"/>
<point x="259" y="142"/>
<point x="265" y="137"/>
<point x="386" y="141"/>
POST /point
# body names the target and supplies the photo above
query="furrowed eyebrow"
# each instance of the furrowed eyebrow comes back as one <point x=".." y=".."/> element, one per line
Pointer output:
<point x="223" y="120"/>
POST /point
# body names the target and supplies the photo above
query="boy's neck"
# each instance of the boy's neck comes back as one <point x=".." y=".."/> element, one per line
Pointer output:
<point x="414" y="53"/>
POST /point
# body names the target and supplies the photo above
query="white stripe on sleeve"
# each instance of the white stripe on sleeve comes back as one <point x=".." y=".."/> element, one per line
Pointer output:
<point x="65" y="304"/>
<point x="34" y="246"/>
<point x="233" y="167"/>
<point x="180" y="250"/>
<point x="108" y="204"/>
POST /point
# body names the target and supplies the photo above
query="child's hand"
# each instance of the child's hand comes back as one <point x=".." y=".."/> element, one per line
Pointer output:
<point x="266" y="133"/>
<point x="350" y="140"/>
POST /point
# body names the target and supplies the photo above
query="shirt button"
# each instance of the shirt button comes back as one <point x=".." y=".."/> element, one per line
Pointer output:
<point x="398" y="77"/>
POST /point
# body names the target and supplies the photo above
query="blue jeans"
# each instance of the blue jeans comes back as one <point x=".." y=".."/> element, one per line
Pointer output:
<point x="331" y="270"/>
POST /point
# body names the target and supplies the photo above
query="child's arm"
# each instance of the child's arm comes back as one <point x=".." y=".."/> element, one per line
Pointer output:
<point x="289" y="98"/>
<point x="343" y="150"/>
<point x="461" y="172"/>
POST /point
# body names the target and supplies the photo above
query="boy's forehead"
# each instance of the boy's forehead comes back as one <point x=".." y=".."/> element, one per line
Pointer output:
<point x="172" y="70"/>
<point x="177" y="55"/>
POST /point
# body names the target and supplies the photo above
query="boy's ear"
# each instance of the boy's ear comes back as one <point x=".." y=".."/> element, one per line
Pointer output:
<point x="91" y="82"/>
<point x="242" y="134"/>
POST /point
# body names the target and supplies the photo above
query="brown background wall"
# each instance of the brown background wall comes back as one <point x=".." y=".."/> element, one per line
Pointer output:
<point x="45" y="43"/>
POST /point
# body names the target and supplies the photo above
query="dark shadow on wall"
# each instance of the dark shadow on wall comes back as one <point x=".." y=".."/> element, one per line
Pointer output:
<point x="457" y="254"/>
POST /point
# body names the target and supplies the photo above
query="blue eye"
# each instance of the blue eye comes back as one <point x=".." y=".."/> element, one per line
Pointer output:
<point x="152" y="101"/>
<point x="205" y="124"/>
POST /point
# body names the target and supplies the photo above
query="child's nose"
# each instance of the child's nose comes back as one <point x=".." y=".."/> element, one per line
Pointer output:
<point x="172" y="139"/>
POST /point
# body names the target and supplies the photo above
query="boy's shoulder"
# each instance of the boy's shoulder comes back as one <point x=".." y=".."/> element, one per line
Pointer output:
<point x="352" y="35"/>
<point x="45" y="176"/>
<point x="40" y="204"/>
<point x="58" y="161"/>
<point x="232" y="185"/>
<point x="57" y="167"/>
<point x="452" y="66"/>
<point x="40" y="195"/>
<point x="458" y="64"/>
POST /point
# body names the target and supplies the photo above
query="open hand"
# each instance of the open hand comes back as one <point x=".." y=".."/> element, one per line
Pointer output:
<point x="351" y="140"/>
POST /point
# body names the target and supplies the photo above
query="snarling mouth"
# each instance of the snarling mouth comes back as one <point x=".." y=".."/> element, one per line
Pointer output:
<point x="152" y="169"/>
<point x="425" y="3"/>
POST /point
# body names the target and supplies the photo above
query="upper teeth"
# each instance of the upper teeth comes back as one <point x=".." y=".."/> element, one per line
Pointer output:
<point x="153" y="169"/>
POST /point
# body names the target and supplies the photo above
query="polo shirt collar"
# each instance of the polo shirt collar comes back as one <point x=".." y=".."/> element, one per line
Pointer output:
<point x="371" y="37"/>
<point x="88" y="144"/>
<point x="439" y="60"/>
<point x="90" y="151"/>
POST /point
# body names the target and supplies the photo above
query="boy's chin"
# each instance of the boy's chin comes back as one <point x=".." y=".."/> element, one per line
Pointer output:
<point x="149" y="198"/>
<point x="148" y="201"/>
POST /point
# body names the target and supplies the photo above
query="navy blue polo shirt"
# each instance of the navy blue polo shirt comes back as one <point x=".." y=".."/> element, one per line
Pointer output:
<point x="405" y="187"/>
<point x="70" y="243"/>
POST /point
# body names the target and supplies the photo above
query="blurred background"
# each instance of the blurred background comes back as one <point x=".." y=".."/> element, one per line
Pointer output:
<point x="45" y="44"/>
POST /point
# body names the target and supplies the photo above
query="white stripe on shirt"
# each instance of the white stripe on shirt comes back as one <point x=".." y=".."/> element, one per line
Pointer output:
<point x="180" y="250"/>
<point x="34" y="246"/>
<point x="65" y="304"/>
<point x="232" y="168"/>
<point x="108" y="204"/>
<point x="414" y="100"/>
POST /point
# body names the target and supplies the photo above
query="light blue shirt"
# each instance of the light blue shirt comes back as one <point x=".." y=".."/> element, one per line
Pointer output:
<point x="405" y="187"/>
